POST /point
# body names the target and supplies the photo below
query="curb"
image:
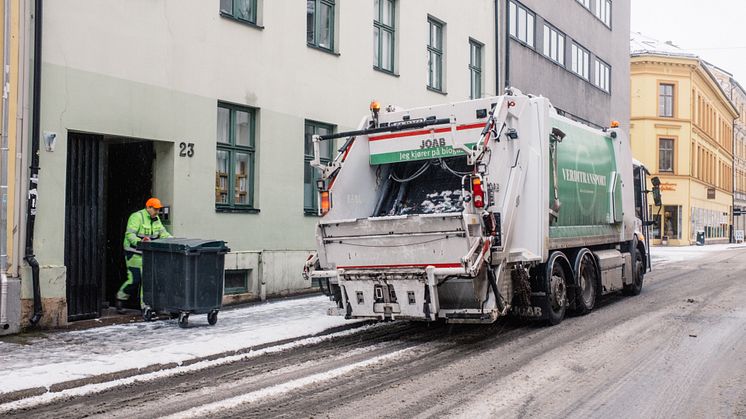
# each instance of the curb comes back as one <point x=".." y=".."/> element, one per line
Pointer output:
<point x="118" y="375"/>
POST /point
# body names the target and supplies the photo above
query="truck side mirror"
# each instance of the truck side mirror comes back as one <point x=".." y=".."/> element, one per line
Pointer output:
<point x="656" y="191"/>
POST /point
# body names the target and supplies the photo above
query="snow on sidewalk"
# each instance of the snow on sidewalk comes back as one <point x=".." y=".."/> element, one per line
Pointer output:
<point x="63" y="356"/>
<point x="667" y="254"/>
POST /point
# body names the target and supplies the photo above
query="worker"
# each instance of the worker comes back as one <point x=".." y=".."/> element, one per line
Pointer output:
<point x="143" y="225"/>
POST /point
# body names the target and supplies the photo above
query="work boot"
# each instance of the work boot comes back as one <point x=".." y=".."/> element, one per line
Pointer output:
<point x="118" y="305"/>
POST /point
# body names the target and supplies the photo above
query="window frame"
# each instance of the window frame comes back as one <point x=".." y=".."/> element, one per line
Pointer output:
<point x="561" y="52"/>
<point x="317" y="24"/>
<point x="514" y="27"/>
<point x="432" y="50"/>
<point x="390" y="29"/>
<point x="475" y="71"/>
<point x="599" y="65"/>
<point x="314" y="210"/>
<point x="586" y="54"/>
<point x="585" y="3"/>
<point x="252" y="21"/>
<point x="232" y="149"/>
<point x="671" y="150"/>
<point x="672" y="96"/>
<point x="603" y="12"/>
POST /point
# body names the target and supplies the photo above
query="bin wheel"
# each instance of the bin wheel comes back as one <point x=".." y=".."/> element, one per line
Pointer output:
<point x="148" y="315"/>
<point x="183" y="320"/>
<point x="212" y="318"/>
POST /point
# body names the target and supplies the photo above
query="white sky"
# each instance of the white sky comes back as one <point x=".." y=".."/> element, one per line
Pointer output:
<point x="713" y="29"/>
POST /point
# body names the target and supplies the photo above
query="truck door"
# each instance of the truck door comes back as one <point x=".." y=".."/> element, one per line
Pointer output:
<point x="641" y="207"/>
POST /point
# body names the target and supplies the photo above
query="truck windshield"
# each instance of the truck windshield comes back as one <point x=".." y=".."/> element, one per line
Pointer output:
<point x="422" y="187"/>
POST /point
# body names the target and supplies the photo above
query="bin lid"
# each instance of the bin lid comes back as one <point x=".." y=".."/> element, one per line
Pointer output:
<point x="183" y="245"/>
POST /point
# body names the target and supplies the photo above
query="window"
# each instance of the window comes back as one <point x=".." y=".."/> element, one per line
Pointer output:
<point x="602" y="74"/>
<point x="585" y="3"/>
<point x="665" y="100"/>
<point x="521" y="23"/>
<point x="235" y="157"/>
<point x="665" y="155"/>
<point x="320" y="23"/>
<point x="435" y="55"/>
<point x="383" y="35"/>
<point x="311" y="174"/>
<point x="603" y="11"/>
<point x="580" y="61"/>
<point x="475" y="69"/>
<point x="237" y="281"/>
<point x="243" y="10"/>
<point x="554" y="45"/>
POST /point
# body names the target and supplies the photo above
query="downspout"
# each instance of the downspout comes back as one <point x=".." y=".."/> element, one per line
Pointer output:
<point x="29" y="257"/>
<point x="497" y="46"/>
<point x="507" y="44"/>
<point x="733" y="173"/>
<point x="4" y="173"/>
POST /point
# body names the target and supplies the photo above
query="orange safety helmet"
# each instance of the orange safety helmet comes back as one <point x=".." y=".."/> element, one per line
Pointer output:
<point x="154" y="202"/>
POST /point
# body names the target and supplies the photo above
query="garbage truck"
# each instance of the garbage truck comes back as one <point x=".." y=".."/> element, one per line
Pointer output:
<point x="466" y="212"/>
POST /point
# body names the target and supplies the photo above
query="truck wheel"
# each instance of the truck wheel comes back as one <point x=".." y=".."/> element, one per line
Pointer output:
<point x="556" y="293"/>
<point x="638" y="274"/>
<point x="586" y="279"/>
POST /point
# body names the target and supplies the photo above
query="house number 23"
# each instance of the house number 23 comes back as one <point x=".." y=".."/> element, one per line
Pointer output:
<point x="186" y="149"/>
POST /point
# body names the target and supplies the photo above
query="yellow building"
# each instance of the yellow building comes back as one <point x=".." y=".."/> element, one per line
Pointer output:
<point x="682" y="130"/>
<point x="11" y="128"/>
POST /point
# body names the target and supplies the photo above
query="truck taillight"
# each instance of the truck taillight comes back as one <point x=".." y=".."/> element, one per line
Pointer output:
<point x="326" y="203"/>
<point x="477" y="192"/>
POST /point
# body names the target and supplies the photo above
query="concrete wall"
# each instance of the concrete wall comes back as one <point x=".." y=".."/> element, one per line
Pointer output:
<point x="156" y="70"/>
<point x="534" y="73"/>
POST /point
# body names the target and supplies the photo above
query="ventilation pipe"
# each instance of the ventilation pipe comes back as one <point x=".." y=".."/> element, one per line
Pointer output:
<point x="29" y="257"/>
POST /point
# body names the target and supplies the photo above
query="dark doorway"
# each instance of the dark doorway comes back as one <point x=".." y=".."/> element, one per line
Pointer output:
<point x="107" y="179"/>
<point x="129" y="183"/>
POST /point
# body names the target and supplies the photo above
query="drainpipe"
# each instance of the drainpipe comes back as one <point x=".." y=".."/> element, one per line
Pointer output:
<point x="507" y="44"/>
<point x="29" y="257"/>
<point x="4" y="173"/>
<point x="497" y="46"/>
<point x="733" y="174"/>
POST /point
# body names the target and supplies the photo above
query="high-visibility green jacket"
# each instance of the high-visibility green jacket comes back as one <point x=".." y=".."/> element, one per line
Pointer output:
<point x="140" y="226"/>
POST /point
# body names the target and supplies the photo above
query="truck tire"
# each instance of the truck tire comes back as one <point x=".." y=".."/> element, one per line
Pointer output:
<point x="556" y="285"/>
<point x="586" y="280"/>
<point x="638" y="274"/>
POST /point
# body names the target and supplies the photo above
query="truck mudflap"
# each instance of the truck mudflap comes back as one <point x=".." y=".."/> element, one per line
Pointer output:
<point x="537" y="310"/>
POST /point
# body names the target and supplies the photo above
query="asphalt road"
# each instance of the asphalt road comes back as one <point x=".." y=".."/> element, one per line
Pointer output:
<point x="676" y="350"/>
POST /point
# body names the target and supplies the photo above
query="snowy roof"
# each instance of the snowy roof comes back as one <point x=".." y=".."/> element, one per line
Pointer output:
<point x="642" y="44"/>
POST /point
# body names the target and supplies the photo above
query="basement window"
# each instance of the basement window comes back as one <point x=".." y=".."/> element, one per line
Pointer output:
<point x="237" y="281"/>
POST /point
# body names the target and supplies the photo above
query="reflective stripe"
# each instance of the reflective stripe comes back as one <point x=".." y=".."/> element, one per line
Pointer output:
<point x="132" y="250"/>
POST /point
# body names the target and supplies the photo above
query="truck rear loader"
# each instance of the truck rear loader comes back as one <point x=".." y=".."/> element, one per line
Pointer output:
<point x="470" y="211"/>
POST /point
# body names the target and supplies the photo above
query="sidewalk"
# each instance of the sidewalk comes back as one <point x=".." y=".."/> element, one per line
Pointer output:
<point x="58" y="357"/>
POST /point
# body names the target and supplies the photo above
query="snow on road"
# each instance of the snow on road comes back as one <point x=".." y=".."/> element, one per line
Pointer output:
<point x="667" y="254"/>
<point x="63" y="356"/>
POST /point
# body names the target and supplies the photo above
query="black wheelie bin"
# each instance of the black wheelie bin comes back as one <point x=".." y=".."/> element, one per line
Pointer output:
<point x="183" y="277"/>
